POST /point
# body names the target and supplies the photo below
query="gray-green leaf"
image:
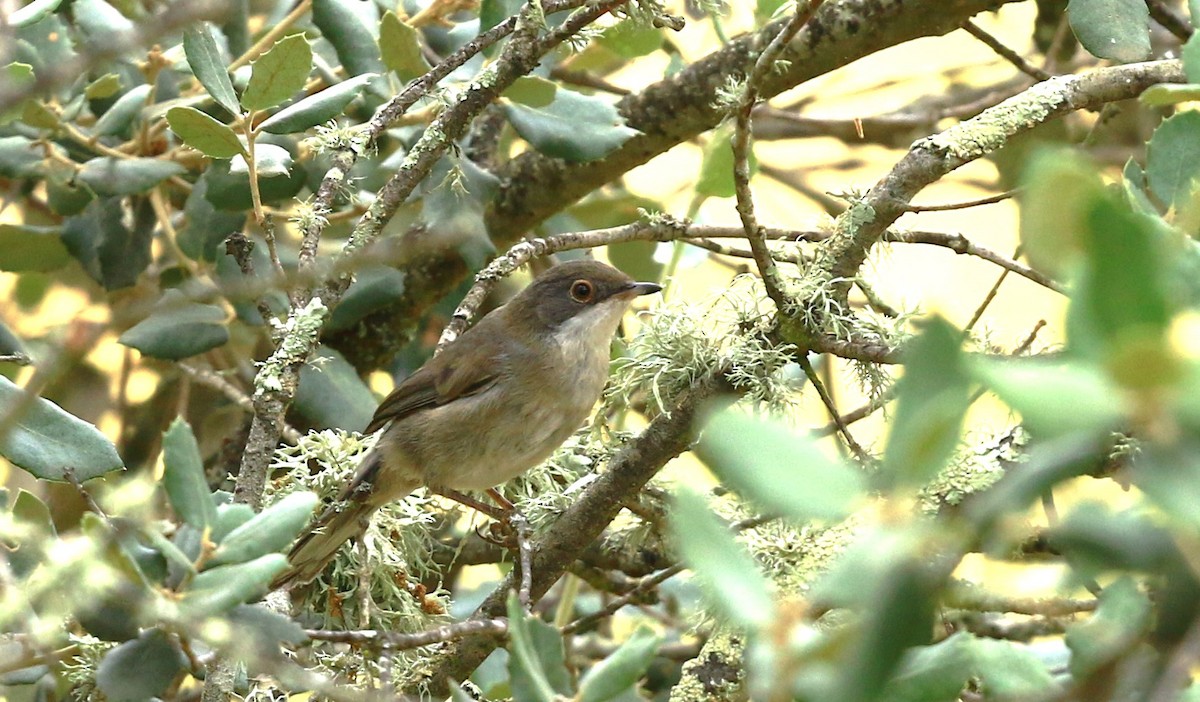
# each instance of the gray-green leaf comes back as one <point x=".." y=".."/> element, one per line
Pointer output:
<point x="183" y="476"/>
<point x="178" y="329"/>
<point x="126" y="176"/>
<point x="208" y="65"/>
<point x="1112" y="29"/>
<point x="317" y="108"/>
<point x="47" y="440"/>
<point x="203" y="133"/>
<point x="140" y="669"/>
<point x="270" y="531"/>
<point x="729" y="576"/>
<point x="575" y="127"/>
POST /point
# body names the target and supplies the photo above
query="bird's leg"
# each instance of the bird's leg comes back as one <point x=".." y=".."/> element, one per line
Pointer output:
<point x="524" y="549"/>
<point x="506" y="513"/>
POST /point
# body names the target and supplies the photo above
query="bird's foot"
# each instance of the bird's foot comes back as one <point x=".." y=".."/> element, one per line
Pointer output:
<point x="511" y="529"/>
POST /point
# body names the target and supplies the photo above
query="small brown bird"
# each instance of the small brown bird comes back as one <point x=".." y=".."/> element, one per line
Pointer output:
<point x="495" y="403"/>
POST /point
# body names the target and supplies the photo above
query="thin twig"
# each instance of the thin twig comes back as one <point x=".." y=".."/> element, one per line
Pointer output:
<point x="989" y="200"/>
<point x="371" y="638"/>
<point x="1004" y="52"/>
<point x="1170" y="20"/>
<point x="859" y="453"/>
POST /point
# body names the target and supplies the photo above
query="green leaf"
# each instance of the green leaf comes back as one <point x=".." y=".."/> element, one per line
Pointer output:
<point x="1058" y="190"/>
<point x="45" y="440"/>
<point x="1053" y="397"/>
<point x="901" y="616"/>
<point x="126" y="176"/>
<point x="17" y="76"/>
<point x="935" y="673"/>
<point x="716" y="168"/>
<point x="99" y="22"/>
<point x="222" y="588"/>
<point x="1098" y="539"/>
<point x="119" y="118"/>
<point x="35" y="11"/>
<point x="932" y="399"/>
<point x="1120" y="620"/>
<point x="31" y="248"/>
<point x="332" y="395"/>
<point x="208" y="65"/>
<point x="203" y="133"/>
<point x="140" y="669"/>
<point x="19" y="157"/>
<point x="270" y="531"/>
<point x="347" y="25"/>
<point x="26" y="554"/>
<point x="264" y="629"/>
<point x="630" y="39"/>
<point x="779" y="469"/>
<point x="374" y="288"/>
<point x="1191" y="60"/>
<point x="727" y="573"/>
<point x="400" y="46"/>
<point x="1173" y="158"/>
<point x="279" y="73"/>
<point x="620" y="671"/>
<point x="1165" y="94"/>
<point x="183" y="476"/>
<point x="230" y="517"/>
<point x="103" y="87"/>
<point x="1010" y="671"/>
<point x="230" y="191"/>
<point x="1121" y="304"/>
<point x="535" y="657"/>
<point x="531" y="91"/>
<point x="178" y="329"/>
<point x="110" y="251"/>
<point x="1112" y="29"/>
<point x="318" y="108"/>
<point x="270" y="161"/>
<point x="493" y="12"/>
<point x="67" y="198"/>
<point x="575" y="127"/>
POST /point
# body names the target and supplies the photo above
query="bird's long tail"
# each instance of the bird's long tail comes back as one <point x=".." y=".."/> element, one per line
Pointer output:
<point x="343" y="520"/>
<point x="338" y="524"/>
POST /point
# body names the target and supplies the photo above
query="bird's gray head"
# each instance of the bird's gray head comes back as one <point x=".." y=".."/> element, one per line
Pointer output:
<point x="577" y="289"/>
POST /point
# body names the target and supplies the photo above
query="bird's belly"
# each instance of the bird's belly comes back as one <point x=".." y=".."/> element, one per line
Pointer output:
<point x="479" y="444"/>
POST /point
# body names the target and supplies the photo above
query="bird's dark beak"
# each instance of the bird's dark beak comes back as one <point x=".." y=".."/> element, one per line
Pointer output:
<point x="644" y="288"/>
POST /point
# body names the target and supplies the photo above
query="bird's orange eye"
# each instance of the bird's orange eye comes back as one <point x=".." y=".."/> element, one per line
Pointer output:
<point x="582" y="291"/>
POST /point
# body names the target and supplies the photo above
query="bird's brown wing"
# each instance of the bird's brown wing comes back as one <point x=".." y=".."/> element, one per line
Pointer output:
<point x="442" y="379"/>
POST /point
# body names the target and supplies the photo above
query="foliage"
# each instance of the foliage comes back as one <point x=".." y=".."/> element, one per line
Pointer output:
<point x="267" y="204"/>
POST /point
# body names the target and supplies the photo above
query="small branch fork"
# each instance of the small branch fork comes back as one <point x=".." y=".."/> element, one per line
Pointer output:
<point x="741" y="150"/>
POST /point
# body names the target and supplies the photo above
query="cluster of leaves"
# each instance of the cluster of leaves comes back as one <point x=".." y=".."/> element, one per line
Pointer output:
<point x="866" y="629"/>
<point x="164" y="598"/>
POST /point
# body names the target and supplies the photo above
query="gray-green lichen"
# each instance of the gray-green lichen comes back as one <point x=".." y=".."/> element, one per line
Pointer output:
<point x="683" y="342"/>
<point x="989" y="131"/>
<point x="396" y="550"/>
<point x="975" y="468"/>
<point x="298" y="336"/>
